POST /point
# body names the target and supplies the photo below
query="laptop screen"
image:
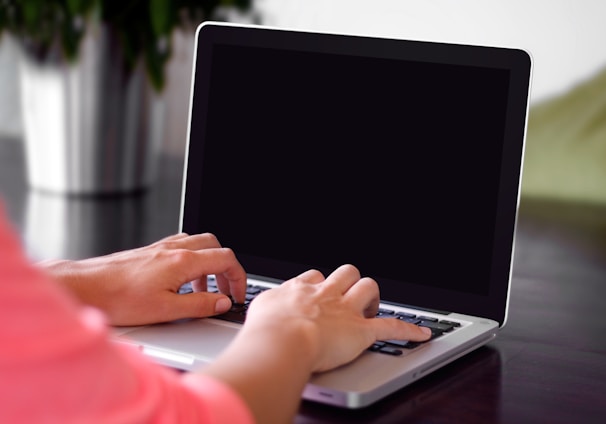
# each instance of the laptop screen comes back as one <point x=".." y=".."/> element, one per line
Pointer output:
<point x="402" y="158"/>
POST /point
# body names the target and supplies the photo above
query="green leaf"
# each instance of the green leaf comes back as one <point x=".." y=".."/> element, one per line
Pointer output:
<point x="74" y="6"/>
<point x="31" y="13"/>
<point x="131" y="48"/>
<point x="143" y="27"/>
<point x="155" y="61"/>
<point x="161" y="16"/>
<point x="70" y="38"/>
<point x="80" y="7"/>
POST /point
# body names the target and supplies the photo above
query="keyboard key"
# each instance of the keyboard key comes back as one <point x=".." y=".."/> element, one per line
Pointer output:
<point x="438" y="328"/>
<point x="238" y="307"/>
<point x="445" y="328"/>
<point x="405" y="315"/>
<point x="403" y="343"/>
<point x="186" y="288"/>
<point x="376" y="346"/>
<point x="410" y="320"/>
<point x="253" y="290"/>
<point x="237" y="313"/>
<point x="390" y="351"/>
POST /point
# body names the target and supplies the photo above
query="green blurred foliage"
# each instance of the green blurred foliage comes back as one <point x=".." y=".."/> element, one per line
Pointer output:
<point x="144" y="27"/>
<point x="565" y="154"/>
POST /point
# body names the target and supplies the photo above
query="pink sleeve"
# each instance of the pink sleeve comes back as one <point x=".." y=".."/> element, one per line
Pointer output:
<point x="58" y="365"/>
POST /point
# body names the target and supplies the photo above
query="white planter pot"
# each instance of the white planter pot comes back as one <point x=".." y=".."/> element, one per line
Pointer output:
<point x="90" y="127"/>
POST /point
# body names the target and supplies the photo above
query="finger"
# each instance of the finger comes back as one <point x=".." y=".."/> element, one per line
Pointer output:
<point x="195" y="305"/>
<point x="343" y="277"/>
<point x="200" y="284"/>
<point x="393" y="328"/>
<point x="170" y="238"/>
<point x="175" y="237"/>
<point x="231" y="288"/>
<point x="312" y="276"/>
<point x="194" y="264"/>
<point x="199" y="241"/>
<point x="230" y="276"/>
<point x="188" y="265"/>
<point x="364" y="296"/>
<point x="193" y="242"/>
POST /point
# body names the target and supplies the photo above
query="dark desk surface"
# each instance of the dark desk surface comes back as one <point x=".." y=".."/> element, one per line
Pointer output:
<point x="547" y="365"/>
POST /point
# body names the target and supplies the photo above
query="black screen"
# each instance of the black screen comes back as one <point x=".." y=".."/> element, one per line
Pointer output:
<point x="315" y="159"/>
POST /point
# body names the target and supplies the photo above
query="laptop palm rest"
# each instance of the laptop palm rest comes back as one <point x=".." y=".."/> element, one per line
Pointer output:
<point x="204" y="338"/>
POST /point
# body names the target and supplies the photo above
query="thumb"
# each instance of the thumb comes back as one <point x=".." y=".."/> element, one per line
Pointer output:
<point x="200" y="304"/>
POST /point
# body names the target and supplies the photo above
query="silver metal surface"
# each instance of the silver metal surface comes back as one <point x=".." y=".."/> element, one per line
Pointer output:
<point x="91" y="127"/>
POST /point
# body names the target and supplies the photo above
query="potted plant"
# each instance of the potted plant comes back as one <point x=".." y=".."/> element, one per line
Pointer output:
<point x="92" y="74"/>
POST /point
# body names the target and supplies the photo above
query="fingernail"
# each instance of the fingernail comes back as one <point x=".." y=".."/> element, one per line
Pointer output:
<point x="222" y="305"/>
<point x="426" y="330"/>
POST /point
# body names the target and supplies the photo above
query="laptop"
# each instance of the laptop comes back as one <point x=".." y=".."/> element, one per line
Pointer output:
<point x="311" y="150"/>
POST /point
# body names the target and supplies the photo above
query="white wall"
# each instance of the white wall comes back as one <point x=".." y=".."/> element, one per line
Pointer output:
<point x="567" y="38"/>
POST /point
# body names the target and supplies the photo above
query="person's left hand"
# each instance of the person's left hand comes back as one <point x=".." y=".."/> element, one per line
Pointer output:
<point x="140" y="286"/>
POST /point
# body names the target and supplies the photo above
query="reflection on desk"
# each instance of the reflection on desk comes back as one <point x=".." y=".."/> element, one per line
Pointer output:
<point x="76" y="227"/>
<point x="68" y="227"/>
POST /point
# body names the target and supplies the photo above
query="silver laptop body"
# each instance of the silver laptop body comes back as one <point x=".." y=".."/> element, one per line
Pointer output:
<point x="310" y="150"/>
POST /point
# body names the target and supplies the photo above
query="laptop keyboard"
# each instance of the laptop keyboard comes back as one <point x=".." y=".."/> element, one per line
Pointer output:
<point x="438" y="327"/>
<point x="237" y="313"/>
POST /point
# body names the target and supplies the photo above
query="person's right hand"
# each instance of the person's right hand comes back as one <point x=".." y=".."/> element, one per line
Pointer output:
<point x="334" y="318"/>
<point x="305" y="325"/>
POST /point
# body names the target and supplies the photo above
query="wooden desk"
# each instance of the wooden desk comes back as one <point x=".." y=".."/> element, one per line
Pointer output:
<point x="548" y="365"/>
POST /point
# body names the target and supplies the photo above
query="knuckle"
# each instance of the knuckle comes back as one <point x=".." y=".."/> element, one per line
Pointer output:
<point x="164" y="244"/>
<point x="228" y="252"/>
<point x="370" y="283"/>
<point x="350" y="268"/>
<point x="313" y="275"/>
<point x="210" y="238"/>
<point x="178" y="256"/>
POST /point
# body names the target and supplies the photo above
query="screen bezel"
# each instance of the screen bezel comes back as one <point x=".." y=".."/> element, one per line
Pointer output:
<point x="516" y="61"/>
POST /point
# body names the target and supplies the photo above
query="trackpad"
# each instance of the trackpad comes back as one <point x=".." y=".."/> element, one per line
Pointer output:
<point x="202" y="339"/>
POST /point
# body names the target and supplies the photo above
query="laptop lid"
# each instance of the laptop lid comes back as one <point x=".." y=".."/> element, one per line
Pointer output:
<point x="310" y="150"/>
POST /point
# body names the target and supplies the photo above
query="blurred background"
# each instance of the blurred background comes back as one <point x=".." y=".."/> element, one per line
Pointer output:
<point x="566" y="146"/>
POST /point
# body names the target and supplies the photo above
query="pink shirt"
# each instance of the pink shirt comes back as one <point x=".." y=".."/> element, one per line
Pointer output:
<point x="57" y="364"/>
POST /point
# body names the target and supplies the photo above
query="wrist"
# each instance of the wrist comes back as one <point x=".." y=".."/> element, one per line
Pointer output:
<point x="295" y="338"/>
<point x="65" y="273"/>
<point x="59" y="270"/>
<point x="279" y="355"/>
